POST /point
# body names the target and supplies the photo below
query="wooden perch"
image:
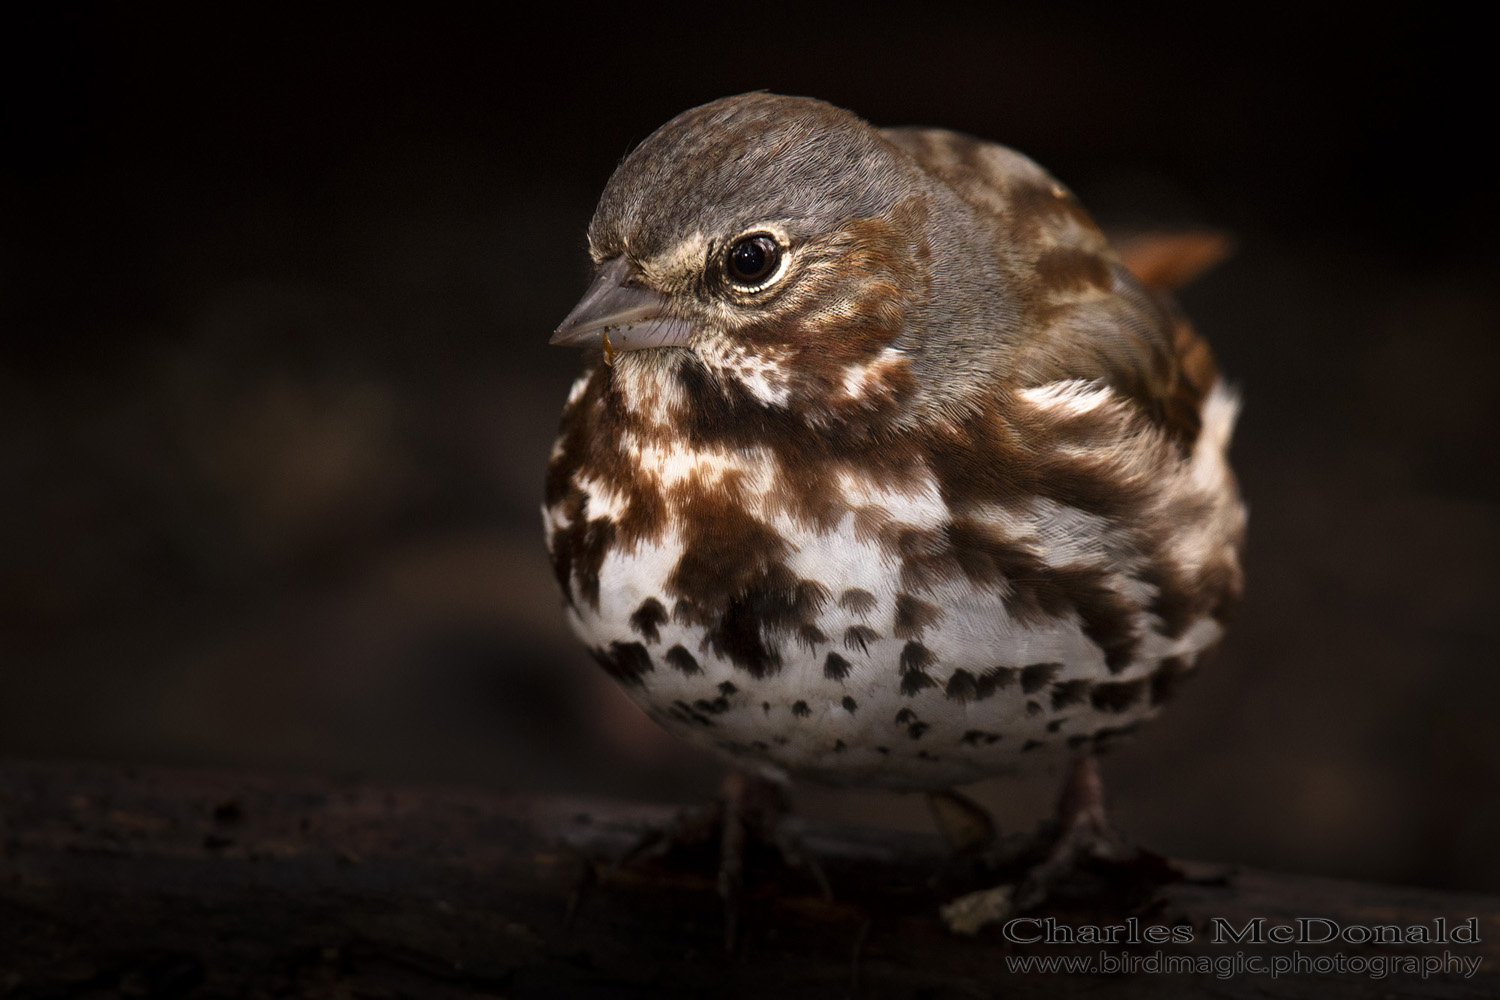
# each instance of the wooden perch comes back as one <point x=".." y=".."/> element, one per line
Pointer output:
<point x="160" y="883"/>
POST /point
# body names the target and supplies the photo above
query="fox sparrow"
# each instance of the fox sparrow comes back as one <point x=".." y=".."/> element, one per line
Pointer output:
<point x="884" y="470"/>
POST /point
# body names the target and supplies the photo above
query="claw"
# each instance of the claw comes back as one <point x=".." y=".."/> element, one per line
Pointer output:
<point x="1084" y="836"/>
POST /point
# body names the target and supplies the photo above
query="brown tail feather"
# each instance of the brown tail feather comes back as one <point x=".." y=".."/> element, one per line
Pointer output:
<point x="1168" y="261"/>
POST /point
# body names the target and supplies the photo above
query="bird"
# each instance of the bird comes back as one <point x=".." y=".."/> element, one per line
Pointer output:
<point x="883" y="469"/>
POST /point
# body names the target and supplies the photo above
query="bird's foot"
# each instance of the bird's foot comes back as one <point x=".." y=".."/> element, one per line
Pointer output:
<point x="1080" y="852"/>
<point x="748" y="814"/>
<point x="1084" y="837"/>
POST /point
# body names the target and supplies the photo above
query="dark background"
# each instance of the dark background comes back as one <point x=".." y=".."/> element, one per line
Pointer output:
<point x="275" y="395"/>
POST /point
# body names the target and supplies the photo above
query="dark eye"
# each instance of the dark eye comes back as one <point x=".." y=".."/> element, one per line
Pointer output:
<point x="753" y="259"/>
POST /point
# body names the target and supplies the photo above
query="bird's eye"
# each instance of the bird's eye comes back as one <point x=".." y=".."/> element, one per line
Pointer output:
<point x="753" y="259"/>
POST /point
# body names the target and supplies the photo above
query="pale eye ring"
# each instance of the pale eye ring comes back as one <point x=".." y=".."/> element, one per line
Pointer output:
<point x="752" y="260"/>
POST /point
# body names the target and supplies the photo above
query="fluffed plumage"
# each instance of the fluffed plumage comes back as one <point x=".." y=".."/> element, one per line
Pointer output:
<point x="884" y="470"/>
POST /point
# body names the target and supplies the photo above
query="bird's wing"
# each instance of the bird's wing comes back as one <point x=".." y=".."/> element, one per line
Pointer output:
<point x="1085" y="314"/>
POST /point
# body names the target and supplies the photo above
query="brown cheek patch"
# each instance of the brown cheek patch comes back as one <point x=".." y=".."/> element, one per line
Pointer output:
<point x="850" y="302"/>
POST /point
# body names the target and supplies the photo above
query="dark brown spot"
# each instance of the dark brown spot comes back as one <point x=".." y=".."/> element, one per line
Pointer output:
<point x="765" y="707"/>
<point x="870" y="523"/>
<point x="976" y="736"/>
<point x="800" y="709"/>
<point x="681" y="660"/>
<point x="861" y="602"/>
<point x="651" y="614"/>
<point x="718" y="706"/>
<point x="962" y="686"/>
<point x="916" y="729"/>
<point x="860" y="636"/>
<point x="885" y="751"/>
<point x="579" y="550"/>
<point x="1030" y="745"/>
<point x="995" y="679"/>
<point x="916" y="657"/>
<point x="850" y="704"/>
<point x="1036" y="592"/>
<point x="592" y="443"/>
<point x="1168" y="678"/>
<point x="810" y="636"/>
<point x="1035" y="708"/>
<point x="1176" y="604"/>
<point x="914" y="681"/>
<point x="732" y="578"/>
<point x="1038" y="675"/>
<point x="835" y="667"/>
<point x="1182" y="598"/>
<point x="904" y="716"/>
<point x="726" y="688"/>
<point x="913" y="616"/>
<point x="1065" y="693"/>
<point x="838" y="746"/>
<point x="1055" y="725"/>
<point x="1117" y="696"/>
<point x="684" y="712"/>
<point x="1078" y="739"/>
<point x="1108" y="616"/>
<point x="626" y="662"/>
<point x="926" y="755"/>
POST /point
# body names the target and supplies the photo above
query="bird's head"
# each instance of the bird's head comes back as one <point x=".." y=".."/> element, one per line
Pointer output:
<point x="779" y="246"/>
<point x="779" y="253"/>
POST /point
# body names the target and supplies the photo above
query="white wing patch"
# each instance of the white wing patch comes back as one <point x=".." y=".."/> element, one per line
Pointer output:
<point x="1075" y="397"/>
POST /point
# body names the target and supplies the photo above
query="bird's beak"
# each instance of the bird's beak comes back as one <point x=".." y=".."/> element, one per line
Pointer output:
<point x="620" y="314"/>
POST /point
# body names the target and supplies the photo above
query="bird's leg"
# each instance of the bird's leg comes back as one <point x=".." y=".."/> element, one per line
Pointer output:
<point x="749" y="811"/>
<point x="1084" y="833"/>
<point x="753" y="809"/>
<point x="1083" y="836"/>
